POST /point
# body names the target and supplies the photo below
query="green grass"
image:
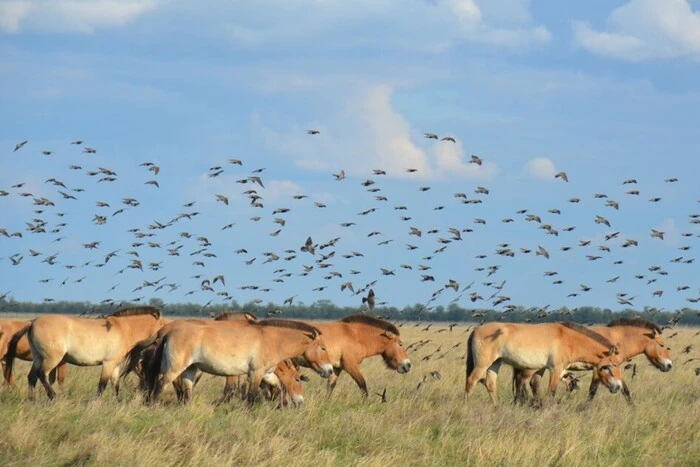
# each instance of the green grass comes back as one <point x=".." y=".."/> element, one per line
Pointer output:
<point x="431" y="426"/>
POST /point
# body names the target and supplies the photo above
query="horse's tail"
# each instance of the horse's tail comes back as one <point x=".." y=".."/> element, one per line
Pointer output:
<point x="470" y="354"/>
<point x="134" y="355"/>
<point x="153" y="369"/>
<point x="12" y="351"/>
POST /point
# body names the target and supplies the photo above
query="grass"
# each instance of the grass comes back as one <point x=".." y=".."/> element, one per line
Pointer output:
<point x="430" y="426"/>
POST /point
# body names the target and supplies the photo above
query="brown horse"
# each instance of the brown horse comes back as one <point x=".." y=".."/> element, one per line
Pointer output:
<point x="14" y="333"/>
<point x="632" y="336"/>
<point x="354" y="338"/>
<point x="54" y="339"/>
<point x="533" y="346"/>
<point x="251" y="350"/>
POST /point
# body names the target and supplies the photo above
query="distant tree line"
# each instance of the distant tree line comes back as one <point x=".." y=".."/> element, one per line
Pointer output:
<point x="325" y="309"/>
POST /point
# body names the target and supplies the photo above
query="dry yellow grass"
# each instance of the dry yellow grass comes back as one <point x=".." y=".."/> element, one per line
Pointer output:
<point x="430" y="426"/>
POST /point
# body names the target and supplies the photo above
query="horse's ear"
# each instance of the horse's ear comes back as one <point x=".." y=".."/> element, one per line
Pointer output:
<point x="288" y="362"/>
<point x="314" y="333"/>
<point x="250" y="317"/>
<point x="304" y="378"/>
<point x="389" y="334"/>
<point x="157" y="314"/>
<point x="614" y="350"/>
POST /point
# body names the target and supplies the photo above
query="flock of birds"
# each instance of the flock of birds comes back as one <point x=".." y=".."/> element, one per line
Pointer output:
<point x="161" y="247"/>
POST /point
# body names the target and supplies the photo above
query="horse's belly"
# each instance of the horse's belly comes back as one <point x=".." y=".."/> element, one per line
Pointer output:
<point x="223" y="367"/>
<point x="525" y="358"/>
<point x="85" y="356"/>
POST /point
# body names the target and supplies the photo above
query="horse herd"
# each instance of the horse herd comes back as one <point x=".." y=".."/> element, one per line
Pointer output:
<point x="267" y="353"/>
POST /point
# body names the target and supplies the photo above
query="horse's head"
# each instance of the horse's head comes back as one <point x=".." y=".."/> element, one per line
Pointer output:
<point x="317" y="355"/>
<point x="394" y="355"/>
<point x="657" y="353"/>
<point x="291" y="378"/>
<point x="609" y="370"/>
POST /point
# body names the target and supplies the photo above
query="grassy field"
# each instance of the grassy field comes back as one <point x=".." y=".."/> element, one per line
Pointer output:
<point x="427" y="426"/>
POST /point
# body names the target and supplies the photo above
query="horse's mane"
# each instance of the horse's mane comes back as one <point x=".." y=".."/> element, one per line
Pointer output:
<point x="289" y="324"/>
<point x="636" y="322"/>
<point x="231" y="315"/>
<point x="371" y="321"/>
<point x="135" y="311"/>
<point x="588" y="333"/>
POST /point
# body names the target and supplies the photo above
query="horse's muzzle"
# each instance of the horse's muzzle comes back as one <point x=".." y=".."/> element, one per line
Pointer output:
<point x="615" y="387"/>
<point x="325" y="371"/>
<point x="405" y="367"/>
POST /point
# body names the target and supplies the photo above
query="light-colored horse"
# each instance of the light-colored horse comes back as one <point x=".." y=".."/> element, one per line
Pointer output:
<point x="533" y="346"/>
<point x="632" y="336"/>
<point x="253" y="350"/>
<point x="55" y="339"/>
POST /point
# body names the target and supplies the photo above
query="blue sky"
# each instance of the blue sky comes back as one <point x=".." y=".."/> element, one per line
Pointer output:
<point x="605" y="91"/>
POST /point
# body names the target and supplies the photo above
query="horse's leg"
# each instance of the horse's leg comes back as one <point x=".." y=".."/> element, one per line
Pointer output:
<point x="165" y="379"/>
<point x="554" y="377"/>
<point x="44" y="365"/>
<point x="354" y="372"/>
<point x="254" y="384"/>
<point x="595" y="382"/>
<point x="178" y="386"/>
<point x="108" y="368"/>
<point x="626" y="393"/>
<point x="478" y="374"/>
<point x="333" y="379"/>
<point x="520" y="380"/>
<point x="187" y="381"/>
<point x="229" y="390"/>
<point x="535" y="387"/>
<point x="114" y="379"/>
<point x="32" y="378"/>
<point x="491" y="380"/>
<point x="61" y="375"/>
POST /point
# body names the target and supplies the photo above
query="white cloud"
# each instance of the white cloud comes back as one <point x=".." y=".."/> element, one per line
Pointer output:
<point x="83" y="16"/>
<point x="540" y="168"/>
<point x="281" y="190"/>
<point x="424" y="25"/>
<point x="370" y="134"/>
<point x="643" y="30"/>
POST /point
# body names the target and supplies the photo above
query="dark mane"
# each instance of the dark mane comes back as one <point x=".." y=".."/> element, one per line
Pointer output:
<point x="230" y="315"/>
<point x="636" y="322"/>
<point x="135" y="311"/>
<point x="289" y="324"/>
<point x="588" y="333"/>
<point x="371" y="321"/>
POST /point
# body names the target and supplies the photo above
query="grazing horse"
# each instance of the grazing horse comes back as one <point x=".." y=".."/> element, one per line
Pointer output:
<point x="533" y="346"/>
<point x="632" y="336"/>
<point x="54" y="339"/>
<point x="285" y="381"/>
<point x="354" y="338"/>
<point x="252" y="350"/>
<point x="14" y="333"/>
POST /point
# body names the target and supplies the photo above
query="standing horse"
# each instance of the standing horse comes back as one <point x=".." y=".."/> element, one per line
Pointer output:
<point x="632" y="336"/>
<point x="13" y="334"/>
<point x="354" y="338"/>
<point x="533" y="346"/>
<point x="251" y="350"/>
<point x="54" y="339"/>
